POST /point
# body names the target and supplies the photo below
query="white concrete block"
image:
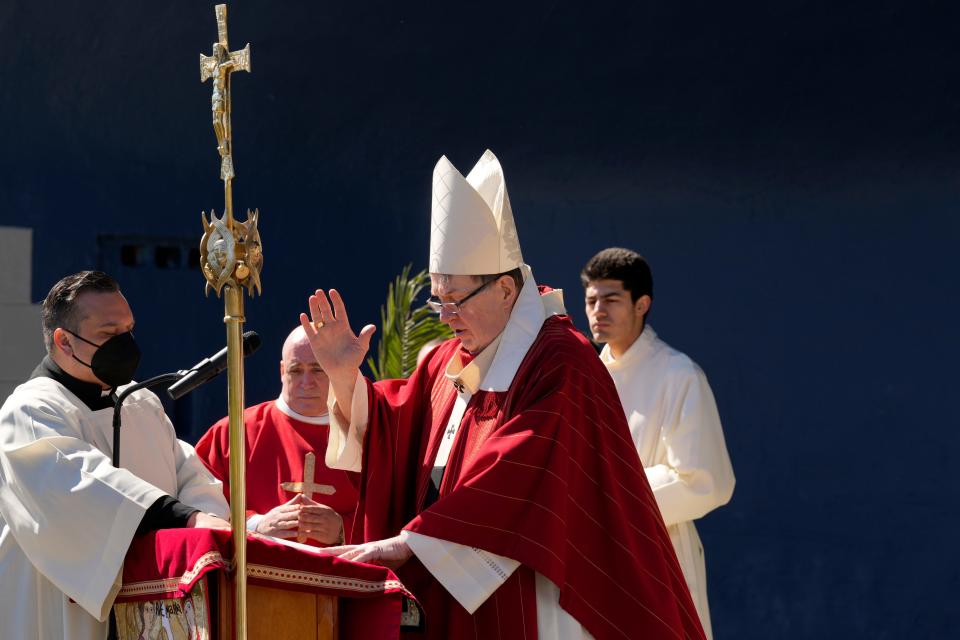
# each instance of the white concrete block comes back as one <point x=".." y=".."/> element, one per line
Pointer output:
<point x="21" y="341"/>
<point x="16" y="251"/>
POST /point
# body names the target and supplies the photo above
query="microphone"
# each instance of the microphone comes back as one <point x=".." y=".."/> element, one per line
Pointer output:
<point x="208" y="368"/>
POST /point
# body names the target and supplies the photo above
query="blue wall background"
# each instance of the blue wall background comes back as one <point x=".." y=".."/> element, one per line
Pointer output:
<point x="790" y="170"/>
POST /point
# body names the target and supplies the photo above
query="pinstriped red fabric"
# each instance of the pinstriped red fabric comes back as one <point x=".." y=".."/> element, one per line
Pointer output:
<point x="545" y="473"/>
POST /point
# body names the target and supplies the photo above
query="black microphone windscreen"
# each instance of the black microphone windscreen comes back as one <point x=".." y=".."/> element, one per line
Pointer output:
<point x="251" y="342"/>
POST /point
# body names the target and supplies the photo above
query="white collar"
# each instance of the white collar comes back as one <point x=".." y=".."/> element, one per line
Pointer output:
<point x="528" y="315"/>
<point x="642" y="346"/>
<point x="470" y="376"/>
<point x="290" y="413"/>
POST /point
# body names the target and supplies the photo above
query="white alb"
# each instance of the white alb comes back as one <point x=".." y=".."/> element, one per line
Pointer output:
<point x="67" y="515"/>
<point x="676" y="428"/>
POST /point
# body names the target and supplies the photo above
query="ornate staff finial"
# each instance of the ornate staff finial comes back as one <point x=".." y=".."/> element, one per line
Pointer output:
<point x="230" y="251"/>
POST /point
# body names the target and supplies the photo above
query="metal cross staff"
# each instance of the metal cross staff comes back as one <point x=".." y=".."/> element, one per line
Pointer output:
<point x="231" y="259"/>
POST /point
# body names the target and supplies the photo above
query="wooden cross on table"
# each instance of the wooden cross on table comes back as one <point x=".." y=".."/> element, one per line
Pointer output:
<point x="308" y="487"/>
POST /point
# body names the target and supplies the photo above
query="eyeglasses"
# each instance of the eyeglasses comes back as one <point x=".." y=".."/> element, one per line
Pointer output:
<point x="454" y="307"/>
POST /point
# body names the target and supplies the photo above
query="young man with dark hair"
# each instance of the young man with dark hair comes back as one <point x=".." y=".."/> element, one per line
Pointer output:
<point x="67" y="515"/>
<point x="668" y="404"/>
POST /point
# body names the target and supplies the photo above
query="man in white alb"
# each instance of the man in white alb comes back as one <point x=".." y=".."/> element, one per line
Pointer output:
<point x="67" y="515"/>
<point x="669" y="406"/>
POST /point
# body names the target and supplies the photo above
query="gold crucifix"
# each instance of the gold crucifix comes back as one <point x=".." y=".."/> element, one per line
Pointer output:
<point x="219" y="66"/>
<point x="230" y="251"/>
<point x="231" y="257"/>
<point x="308" y="486"/>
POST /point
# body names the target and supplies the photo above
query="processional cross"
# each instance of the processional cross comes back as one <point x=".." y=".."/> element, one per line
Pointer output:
<point x="219" y="66"/>
<point x="231" y="258"/>
<point x="229" y="250"/>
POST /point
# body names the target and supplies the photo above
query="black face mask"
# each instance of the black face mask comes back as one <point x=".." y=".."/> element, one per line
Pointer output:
<point x="114" y="361"/>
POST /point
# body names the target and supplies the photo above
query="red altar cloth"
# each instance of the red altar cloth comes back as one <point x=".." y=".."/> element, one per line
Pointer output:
<point x="167" y="563"/>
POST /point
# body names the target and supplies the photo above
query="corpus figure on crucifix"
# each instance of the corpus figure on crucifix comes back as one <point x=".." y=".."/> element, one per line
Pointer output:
<point x="219" y="97"/>
<point x="284" y="437"/>
<point x="219" y="66"/>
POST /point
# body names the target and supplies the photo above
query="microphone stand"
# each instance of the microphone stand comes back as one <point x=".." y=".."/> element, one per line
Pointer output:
<point x="155" y="381"/>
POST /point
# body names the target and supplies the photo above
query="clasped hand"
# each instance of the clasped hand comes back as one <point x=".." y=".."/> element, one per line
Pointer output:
<point x="303" y="518"/>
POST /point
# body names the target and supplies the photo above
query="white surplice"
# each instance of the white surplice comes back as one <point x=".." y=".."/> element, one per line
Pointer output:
<point x="469" y="574"/>
<point x="67" y="515"/>
<point x="676" y="427"/>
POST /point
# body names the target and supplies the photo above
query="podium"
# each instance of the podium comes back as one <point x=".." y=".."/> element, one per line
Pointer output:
<point x="176" y="585"/>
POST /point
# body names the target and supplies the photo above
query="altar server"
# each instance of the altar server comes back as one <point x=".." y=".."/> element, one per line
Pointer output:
<point x="67" y="515"/>
<point x="669" y="406"/>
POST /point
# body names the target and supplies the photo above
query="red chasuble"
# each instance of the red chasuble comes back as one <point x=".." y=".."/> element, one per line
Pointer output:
<point x="277" y="446"/>
<point x="545" y="473"/>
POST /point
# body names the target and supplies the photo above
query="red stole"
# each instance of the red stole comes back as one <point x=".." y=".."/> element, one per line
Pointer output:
<point x="276" y="448"/>
<point x="545" y="473"/>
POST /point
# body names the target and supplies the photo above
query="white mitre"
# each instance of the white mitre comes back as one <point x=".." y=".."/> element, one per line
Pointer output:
<point x="472" y="231"/>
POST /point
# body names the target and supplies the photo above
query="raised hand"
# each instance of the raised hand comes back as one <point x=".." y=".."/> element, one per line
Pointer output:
<point x="338" y="350"/>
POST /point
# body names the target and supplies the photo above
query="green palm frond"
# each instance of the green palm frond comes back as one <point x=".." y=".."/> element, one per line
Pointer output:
<point x="404" y="327"/>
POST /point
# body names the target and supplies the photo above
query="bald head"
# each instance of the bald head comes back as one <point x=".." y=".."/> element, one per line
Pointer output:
<point x="305" y="385"/>
<point x="297" y="337"/>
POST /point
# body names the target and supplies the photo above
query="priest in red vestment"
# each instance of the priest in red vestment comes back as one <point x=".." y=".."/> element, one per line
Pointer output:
<point x="500" y="479"/>
<point x="290" y="491"/>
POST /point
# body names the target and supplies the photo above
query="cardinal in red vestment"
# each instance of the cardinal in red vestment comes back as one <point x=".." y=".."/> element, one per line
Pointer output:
<point x="500" y="480"/>
<point x="291" y="493"/>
